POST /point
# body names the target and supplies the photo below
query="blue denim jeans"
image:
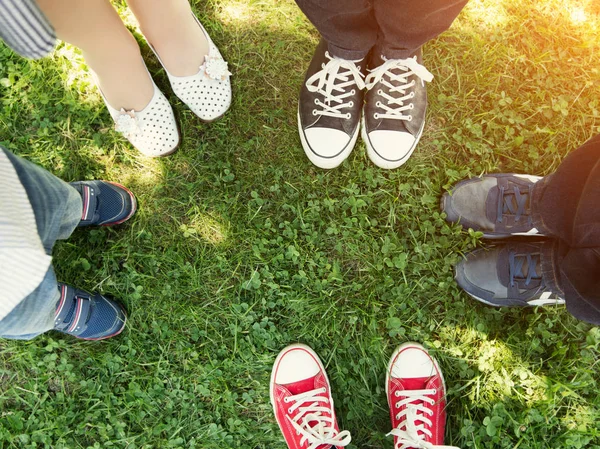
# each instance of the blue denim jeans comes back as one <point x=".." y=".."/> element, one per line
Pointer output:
<point x="57" y="209"/>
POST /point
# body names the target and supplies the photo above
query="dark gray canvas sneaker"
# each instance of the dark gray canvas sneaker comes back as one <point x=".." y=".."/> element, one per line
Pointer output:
<point x="499" y="205"/>
<point x="506" y="275"/>
<point x="394" y="111"/>
<point x="329" y="108"/>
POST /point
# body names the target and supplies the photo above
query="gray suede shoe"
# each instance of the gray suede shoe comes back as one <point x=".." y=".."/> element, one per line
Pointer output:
<point x="499" y="205"/>
<point x="506" y="275"/>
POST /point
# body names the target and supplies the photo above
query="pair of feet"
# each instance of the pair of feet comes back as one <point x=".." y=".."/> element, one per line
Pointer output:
<point x="333" y="99"/>
<point x="501" y="206"/>
<point x="79" y="313"/>
<point x="153" y="130"/>
<point x="303" y="405"/>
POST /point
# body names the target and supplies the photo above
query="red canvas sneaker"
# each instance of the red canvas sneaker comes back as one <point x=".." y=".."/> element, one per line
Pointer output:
<point x="302" y="402"/>
<point x="416" y="396"/>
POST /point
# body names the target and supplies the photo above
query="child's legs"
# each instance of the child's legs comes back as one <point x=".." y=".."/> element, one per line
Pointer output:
<point x="171" y="29"/>
<point x="56" y="205"/>
<point x="35" y="314"/>
<point x="57" y="209"/>
<point x="108" y="47"/>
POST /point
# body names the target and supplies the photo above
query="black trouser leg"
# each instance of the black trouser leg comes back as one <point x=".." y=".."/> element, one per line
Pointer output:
<point x="405" y="26"/>
<point x="566" y="205"/>
<point x="398" y="27"/>
<point x="348" y="26"/>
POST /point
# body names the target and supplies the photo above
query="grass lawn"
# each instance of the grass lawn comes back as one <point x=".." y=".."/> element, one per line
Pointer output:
<point x="241" y="246"/>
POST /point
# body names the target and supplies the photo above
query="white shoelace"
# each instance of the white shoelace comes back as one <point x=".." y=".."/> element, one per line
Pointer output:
<point x="413" y="419"/>
<point x="346" y="74"/>
<point x="396" y="107"/>
<point x="311" y="423"/>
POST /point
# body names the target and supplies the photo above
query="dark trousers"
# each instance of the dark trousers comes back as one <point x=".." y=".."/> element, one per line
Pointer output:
<point x="395" y="28"/>
<point x="566" y="206"/>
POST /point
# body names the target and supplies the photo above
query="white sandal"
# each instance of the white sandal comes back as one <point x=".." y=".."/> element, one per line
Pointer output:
<point x="207" y="93"/>
<point x="153" y="130"/>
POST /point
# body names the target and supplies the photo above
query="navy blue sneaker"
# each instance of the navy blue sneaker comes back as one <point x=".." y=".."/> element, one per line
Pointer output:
<point x="506" y="275"/>
<point x="86" y="316"/>
<point x="105" y="203"/>
<point x="499" y="205"/>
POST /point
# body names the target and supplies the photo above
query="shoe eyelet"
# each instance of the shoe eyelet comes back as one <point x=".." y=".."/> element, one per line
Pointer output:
<point x="314" y="112"/>
<point x="376" y="116"/>
<point x="351" y="104"/>
<point x="316" y="101"/>
<point x="397" y="405"/>
<point x="412" y="106"/>
<point x="412" y="95"/>
<point x="410" y="118"/>
<point x="378" y="104"/>
<point x="352" y="92"/>
<point x="289" y="411"/>
<point x="285" y="400"/>
<point x="435" y="391"/>
<point x="348" y="116"/>
<point x="397" y="394"/>
<point x="297" y="433"/>
<point x="379" y="92"/>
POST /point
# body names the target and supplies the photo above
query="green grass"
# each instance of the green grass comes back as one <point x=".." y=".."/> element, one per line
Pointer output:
<point x="241" y="246"/>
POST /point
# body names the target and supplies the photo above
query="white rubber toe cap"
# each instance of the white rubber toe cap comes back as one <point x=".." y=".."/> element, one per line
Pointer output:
<point x="296" y="364"/>
<point x="326" y="147"/>
<point x="326" y="142"/>
<point x="390" y="149"/>
<point x="412" y="361"/>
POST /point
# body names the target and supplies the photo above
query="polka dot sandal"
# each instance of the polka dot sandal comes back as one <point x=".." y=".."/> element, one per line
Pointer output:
<point x="207" y="93"/>
<point x="87" y="316"/>
<point x="153" y="130"/>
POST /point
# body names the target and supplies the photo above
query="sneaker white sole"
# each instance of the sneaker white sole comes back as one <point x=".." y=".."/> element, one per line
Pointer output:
<point x="395" y="354"/>
<point x="552" y="300"/>
<point x="385" y="163"/>
<point x="533" y="233"/>
<point x="325" y="162"/>
<point x="276" y="363"/>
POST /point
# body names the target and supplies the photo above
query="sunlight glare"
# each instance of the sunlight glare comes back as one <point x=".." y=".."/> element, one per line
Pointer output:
<point x="146" y="172"/>
<point x="578" y="15"/>
<point x="207" y="228"/>
<point x="236" y="11"/>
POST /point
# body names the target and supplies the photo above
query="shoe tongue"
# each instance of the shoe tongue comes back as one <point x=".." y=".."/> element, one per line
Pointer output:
<point x="503" y="268"/>
<point x="415" y="383"/>
<point x="301" y="386"/>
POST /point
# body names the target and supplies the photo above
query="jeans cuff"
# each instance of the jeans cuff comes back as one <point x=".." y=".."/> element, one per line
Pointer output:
<point x="549" y="263"/>
<point x="349" y="55"/>
<point x="72" y="214"/>
<point x="397" y="53"/>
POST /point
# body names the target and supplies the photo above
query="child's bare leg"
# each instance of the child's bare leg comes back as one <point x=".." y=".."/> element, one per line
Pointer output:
<point x="173" y="32"/>
<point x="108" y="47"/>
